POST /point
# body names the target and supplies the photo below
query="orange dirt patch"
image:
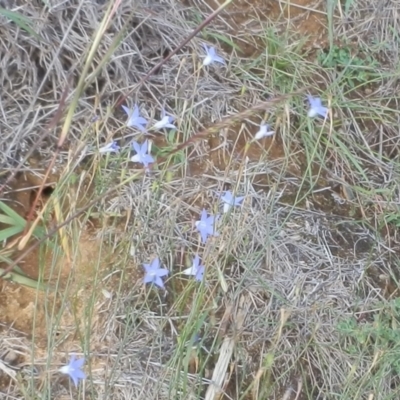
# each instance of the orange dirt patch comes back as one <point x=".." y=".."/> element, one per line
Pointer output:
<point x="24" y="308"/>
<point x="70" y="266"/>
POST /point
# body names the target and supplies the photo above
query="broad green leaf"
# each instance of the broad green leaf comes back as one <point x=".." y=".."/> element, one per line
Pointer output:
<point x="5" y="219"/>
<point x="12" y="214"/>
<point x="11" y="231"/>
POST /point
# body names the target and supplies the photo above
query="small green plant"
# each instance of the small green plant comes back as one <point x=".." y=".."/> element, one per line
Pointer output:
<point x="379" y="335"/>
<point x="13" y="225"/>
<point x="391" y="218"/>
<point x="172" y="142"/>
<point x="355" y="69"/>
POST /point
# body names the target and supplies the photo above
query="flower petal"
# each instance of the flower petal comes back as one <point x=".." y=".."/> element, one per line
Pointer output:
<point x="188" y="271"/>
<point x="200" y="273"/>
<point x="207" y="61"/>
<point x="162" y="272"/>
<point x="196" y="261"/>
<point x="155" y="264"/>
<point x="204" y="235"/>
<point x="79" y="363"/>
<point x="203" y="215"/>
<point x="136" y="147"/>
<point x="219" y="59"/>
<point x="141" y="121"/>
<point x="135" y="113"/>
<point x="149" y="278"/>
<point x="137" y="158"/>
<point x="159" y="282"/>
<point x="127" y="110"/>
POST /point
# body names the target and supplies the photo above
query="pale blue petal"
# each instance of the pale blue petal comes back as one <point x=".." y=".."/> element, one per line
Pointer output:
<point x="159" y="282"/>
<point x="144" y="147"/>
<point x="209" y="229"/>
<point x="162" y="272"/>
<point x="210" y="220"/>
<point x="127" y="110"/>
<point x="149" y="278"/>
<point x="147" y="267"/>
<point x="79" y="363"/>
<point x="203" y="215"/>
<point x="196" y="261"/>
<point x="200" y="273"/>
<point x="135" y="113"/>
<point x="79" y="374"/>
<point x="227" y="197"/>
<point x="74" y="379"/>
<point x="155" y="264"/>
<point x="204" y="235"/>
<point x="310" y="100"/>
<point x="147" y="159"/>
<point x="219" y="59"/>
<point x="141" y="121"/>
<point x="138" y="126"/>
<point x="136" y="147"/>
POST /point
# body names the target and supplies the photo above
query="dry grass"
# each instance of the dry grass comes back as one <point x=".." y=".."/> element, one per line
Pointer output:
<point x="311" y="256"/>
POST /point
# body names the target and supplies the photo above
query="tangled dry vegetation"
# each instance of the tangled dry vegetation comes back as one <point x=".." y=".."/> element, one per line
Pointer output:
<point x="300" y="297"/>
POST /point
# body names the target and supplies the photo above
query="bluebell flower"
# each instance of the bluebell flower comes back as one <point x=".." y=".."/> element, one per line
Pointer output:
<point x="316" y="107"/>
<point x="196" y="269"/>
<point x="264" y="131"/>
<point x="141" y="155"/>
<point x="230" y="200"/>
<point x="206" y="226"/>
<point x="109" y="148"/>
<point x="135" y="120"/>
<point x="211" y="56"/>
<point x="153" y="273"/>
<point x="73" y="369"/>
<point x="165" y="122"/>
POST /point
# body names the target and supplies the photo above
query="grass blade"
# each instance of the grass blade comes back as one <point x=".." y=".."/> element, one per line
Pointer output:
<point x="20" y="20"/>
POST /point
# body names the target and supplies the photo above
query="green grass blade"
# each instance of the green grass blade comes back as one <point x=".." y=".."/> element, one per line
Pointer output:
<point x="5" y="219"/>
<point x="20" y="20"/>
<point x="24" y="280"/>
<point x="18" y="220"/>
<point x="9" y="232"/>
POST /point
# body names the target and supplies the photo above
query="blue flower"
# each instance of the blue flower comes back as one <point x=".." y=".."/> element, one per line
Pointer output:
<point x="230" y="200"/>
<point x="154" y="273"/>
<point x="141" y="155"/>
<point x="135" y="119"/>
<point x="196" y="269"/>
<point x="165" y="122"/>
<point x="316" y="107"/>
<point x="264" y="131"/>
<point x="73" y="369"/>
<point x="206" y="226"/>
<point x="109" y="148"/>
<point x="211" y="56"/>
